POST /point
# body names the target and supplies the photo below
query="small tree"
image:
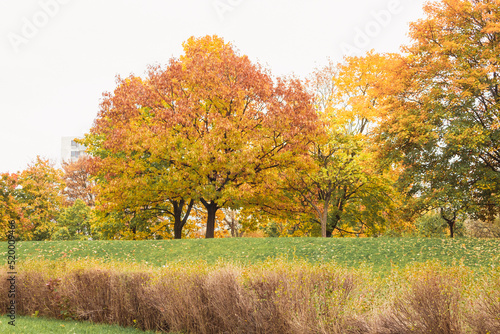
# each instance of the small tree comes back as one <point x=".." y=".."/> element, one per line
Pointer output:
<point x="39" y="193"/>
<point x="74" y="222"/>
<point x="79" y="184"/>
<point x="10" y="208"/>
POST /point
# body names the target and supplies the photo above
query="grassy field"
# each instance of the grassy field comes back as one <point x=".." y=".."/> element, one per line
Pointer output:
<point x="381" y="254"/>
<point x="31" y="325"/>
<point x="383" y="270"/>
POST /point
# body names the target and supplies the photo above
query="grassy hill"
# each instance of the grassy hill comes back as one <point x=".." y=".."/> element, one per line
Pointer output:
<point x="379" y="253"/>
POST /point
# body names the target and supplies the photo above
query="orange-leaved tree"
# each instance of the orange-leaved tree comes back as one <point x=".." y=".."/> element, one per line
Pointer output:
<point x="78" y="181"/>
<point x="207" y="127"/>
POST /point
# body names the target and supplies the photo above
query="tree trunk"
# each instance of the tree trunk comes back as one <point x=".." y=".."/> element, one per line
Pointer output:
<point x="324" y="221"/>
<point x="180" y="221"/>
<point x="336" y="221"/>
<point x="177" y="218"/>
<point x="451" y="224"/>
<point x="232" y="223"/>
<point x="177" y="226"/>
<point x="450" y="221"/>
<point x="212" y="208"/>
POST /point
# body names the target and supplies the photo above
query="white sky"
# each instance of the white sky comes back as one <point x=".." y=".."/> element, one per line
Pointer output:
<point x="57" y="57"/>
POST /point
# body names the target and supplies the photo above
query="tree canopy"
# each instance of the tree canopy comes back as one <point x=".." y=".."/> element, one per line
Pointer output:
<point x="443" y="116"/>
<point x="208" y="127"/>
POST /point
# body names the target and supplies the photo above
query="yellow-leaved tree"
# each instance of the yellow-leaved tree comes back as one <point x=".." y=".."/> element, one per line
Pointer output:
<point x="346" y="187"/>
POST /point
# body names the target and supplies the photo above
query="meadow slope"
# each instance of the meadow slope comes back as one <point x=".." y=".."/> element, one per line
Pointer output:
<point x="379" y="253"/>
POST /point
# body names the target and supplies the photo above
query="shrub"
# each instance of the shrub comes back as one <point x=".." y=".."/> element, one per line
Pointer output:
<point x="431" y="305"/>
<point x="485" y="317"/>
<point x="482" y="229"/>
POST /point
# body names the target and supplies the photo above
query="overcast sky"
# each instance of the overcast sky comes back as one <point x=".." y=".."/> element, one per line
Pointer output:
<point x="59" y="56"/>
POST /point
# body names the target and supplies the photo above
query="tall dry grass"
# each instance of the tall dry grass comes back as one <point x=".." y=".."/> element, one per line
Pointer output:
<point x="279" y="297"/>
<point x="431" y="305"/>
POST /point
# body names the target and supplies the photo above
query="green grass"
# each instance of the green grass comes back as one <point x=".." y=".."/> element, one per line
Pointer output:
<point x="29" y="325"/>
<point x="375" y="255"/>
<point x="379" y="253"/>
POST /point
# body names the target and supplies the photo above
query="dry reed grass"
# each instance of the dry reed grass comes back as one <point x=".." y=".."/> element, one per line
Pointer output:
<point x="276" y="298"/>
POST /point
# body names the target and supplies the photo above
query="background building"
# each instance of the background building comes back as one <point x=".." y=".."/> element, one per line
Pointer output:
<point x="71" y="150"/>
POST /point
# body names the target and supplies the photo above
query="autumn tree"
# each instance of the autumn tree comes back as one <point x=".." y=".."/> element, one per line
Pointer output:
<point x="345" y="186"/>
<point x="78" y="181"/>
<point x="10" y="209"/>
<point x="243" y="222"/>
<point x="207" y="127"/>
<point x="231" y="220"/>
<point x="36" y="196"/>
<point x="433" y="189"/>
<point x="443" y="116"/>
<point x="74" y="222"/>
